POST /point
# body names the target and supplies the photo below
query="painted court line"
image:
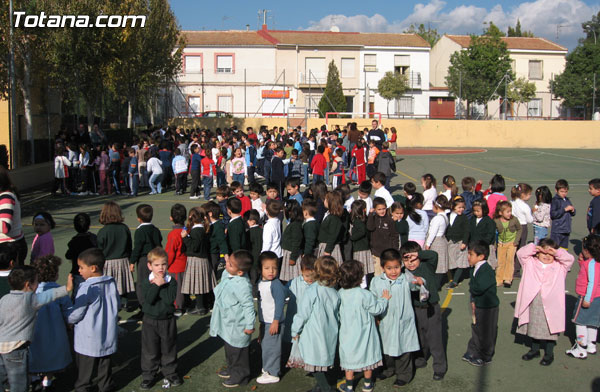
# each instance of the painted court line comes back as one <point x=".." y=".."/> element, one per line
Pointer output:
<point x="563" y="156"/>
<point x="407" y="176"/>
<point x="477" y="169"/>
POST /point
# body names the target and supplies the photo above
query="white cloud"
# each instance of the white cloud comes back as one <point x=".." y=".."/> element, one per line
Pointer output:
<point x="540" y="16"/>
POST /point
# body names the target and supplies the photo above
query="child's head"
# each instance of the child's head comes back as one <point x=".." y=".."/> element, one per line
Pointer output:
<point x="269" y="264"/>
<point x="397" y="210"/>
<point x="562" y="188"/>
<point x="178" y="214"/>
<point x="390" y="262"/>
<point x="409" y="189"/>
<point x="252" y="217"/>
<point x="428" y="181"/>
<point x="365" y="188"/>
<point x="358" y="210"/>
<point x="234" y="206"/>
<point x="8" y="255"/>
<point x="547" y="246"/>
<point x="43" y="223"/>
<point x="416" y="203"/>
<point x="256" y="190"/>
<point x="197" y="216"/>
<point x="237" y="189"/>
<point x="497" y="184"/>
<point x="450" y="183"/>
<point x="478" y="251"/>
<point x="480" y="208"/>
<point x="334" y="203"/>
<point x="594" y="187"/>
<point x="468" y="184"/>
<point x="158" y="261"/>
<point x="293" y="211"/>
<point x="272" y="191"/>
<point x="521" y="191"/>
<point x="239" y="262"/>
<point x="441" y="204"/>
<point x="91" y="263"/>
<point x="81" y="222"/>
<point x="345" y="190"/>
<point x="503" y="210"/>
<point x="326" y="271"/>
<point x="213" y="210"/>
<point x="378" y="180"/>
<point x="279" y="152"/>
<point x="292" y="185"/>
<point x="223" y="192"/>
<point x="23" y="278"/>
<point x="273" y="208"/>
<point x="307" y="267"/>
<point x="385" y="145"/>
<point x="409" y="254"/>
<point x="543" y="195"/>
<point x="111" y="213"/>
<point x="131" y="152"/>
<point x="238" y="152"/>
<point x="309" y="208"/>
<point x="380" y="206"/>
<point x="458" y="205"/>
<point x="591" y="247"/>
<point x="47" y="267"/>
<point x="319" y="190"/>
<point x="320" y="149"/>
<point x="144" y="213"/>
<point x="351" y="274"/>
<point x="295" y="153"/>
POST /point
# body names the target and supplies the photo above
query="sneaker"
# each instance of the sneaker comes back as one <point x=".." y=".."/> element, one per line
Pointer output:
<point x="230" y="384"/>
<point x="146" y="385"/>
<point x="194" y="197"/>
<point x="368" y="387"/>
<point x="467" y="358"/>
<point x="82" y="194"/>
<point x="438" y="376"/>
<point x="178" y="313"/>
<point x="344" y="387"/>
<point x="476" y="362"/>
<point x="452" y="285"/>
<point x="175" y="380"/>
<point x="591" y="348"/>
<point x="577" y="351"/>
<point x="224" y="374"/>
<point x="266" y="378"/>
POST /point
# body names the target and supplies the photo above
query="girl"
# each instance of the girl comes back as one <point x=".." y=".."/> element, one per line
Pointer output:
<point x="509" y="235"/>
<point x="114" y="239"/>
<point x="154" y="166"/>
<point x="541" y="213"/>
<point x="418" y="221"/>
<point x="450" y="188"/>
<point x="540" y="306"/>
<point x="105" y="185"/>
<point x="296" y="289"/>
<point x="338" y="169"/>
<point x="457" y="235"/>
<point x="319" y="191"/>
<point x="330" y="231"/>
<point x="497" y="186"/>
<point x="360" y="348"/>
<point x="436" y="239"/>
<point x="141" y="156"/>
<point x="519" y="195"/>
<point x="61" y="172"/>
<point x="359" y="154"/>
<point x="361" y="250"/>
<point x="483" y="228"/>
<point x="399" y="216"/>
<point x="199" y="278"/>
<point x="429" y="194"/>
<point x="220" y="166"/>
<point x="291" y="241"/>
<point x="195" y="172"/>
<point x="238" y="166"/>
<point x="43" y="243"/>
<point x="586" y="315"/>
<point x="393" y="140"/>
<point x="315" y="325"/>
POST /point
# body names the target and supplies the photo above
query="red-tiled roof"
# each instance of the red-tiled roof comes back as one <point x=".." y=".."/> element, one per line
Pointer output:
<point x="516" y="43"/>
<point x="225" y="38"/>
<point x="316" y="38"/>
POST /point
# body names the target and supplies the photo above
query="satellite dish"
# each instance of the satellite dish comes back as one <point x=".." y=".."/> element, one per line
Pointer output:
<point x="334" y="29"/>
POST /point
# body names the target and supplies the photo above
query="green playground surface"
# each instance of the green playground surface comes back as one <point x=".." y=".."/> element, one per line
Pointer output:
<point x="200" y="356"/>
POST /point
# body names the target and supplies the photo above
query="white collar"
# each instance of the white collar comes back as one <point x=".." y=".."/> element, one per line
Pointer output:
<point x="478" y="265"/>
<point x="197" y="225"/>
<point x="144" y="224"/>
<point x="234" y="218"/>
<point x="310" y="219"/>
<point x="253" y="226"/>
<point x="4" y="274"/>
<point x="167" y="277"/>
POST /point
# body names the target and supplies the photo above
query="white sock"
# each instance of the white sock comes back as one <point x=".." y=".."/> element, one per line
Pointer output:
<point x="582" y="335"/>
<point x="592" y="333"/>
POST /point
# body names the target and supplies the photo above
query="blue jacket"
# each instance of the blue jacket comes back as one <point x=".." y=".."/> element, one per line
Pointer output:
<point x="593" y="213"/>
<point x="470" y="197"/>
<point x="196" y="158"/>
<point x="278" y="292"/>
<point x="250" y="155"/>
<point x="561" y="220"/>
<point x="166" y="157"/>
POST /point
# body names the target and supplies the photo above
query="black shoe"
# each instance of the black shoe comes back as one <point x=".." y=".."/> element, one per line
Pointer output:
<point x="198" y="312"/>
<point x="476" y="362"/>
<point x="224" y="374"/>
<point x="175" y="380"/>
<point x="547" y="361"/>
<point x="452" y="285"/>
<point x="438" y="376"/>
<point x="384" y="374"/>
<point x="400" y="383"/>
<point x="508" y="285"/>
<point x="146" y="384"/>
<point x="528" y="356"/>
<point x="230" y="384"/>
<point x="138" y="316"/>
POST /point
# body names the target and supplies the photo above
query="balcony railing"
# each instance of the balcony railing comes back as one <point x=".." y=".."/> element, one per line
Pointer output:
<point x="312" y="79"/>
<point x="414" y="80"/>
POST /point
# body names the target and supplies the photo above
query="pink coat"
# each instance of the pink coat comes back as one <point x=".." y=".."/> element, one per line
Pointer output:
<point x="582" y="279"/>
<point x="492" y="200"/>
<point x="551" y="282"/>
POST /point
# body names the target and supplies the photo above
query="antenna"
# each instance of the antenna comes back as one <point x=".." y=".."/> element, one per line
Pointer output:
<point x="558" y="26"/>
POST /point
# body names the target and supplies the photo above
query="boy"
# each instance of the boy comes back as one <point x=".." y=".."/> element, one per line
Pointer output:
<point x="236" y="230"/>
<point x="146" y="238"/>
<point x="277" y="172"/>
<point x="378" y="182"/>
<point x="8" y="257"/>
<point x="238" y="191"/>
<point x="292" y="185"/>
<point x="470" y="194"/>
<point x="561" y="213"/>
<point x="364" y="192"/>
<point x="310" y="228"/>
<point x="270" y="315"/>
<point x="233" y="317"/>
<point x="82" y="241"/>
<point x="338" y="169"/>
<point x="383" y="232"/>
<point x="272" y="229"/>
<point x="18" y="310"/>
<point x="209" y="172"/>
<point x="218" y="241"/>
<point x="593" y="213"/>
<point x="176" y="253"/>
<point x="273" y="195"/>
<point x="318" y="165"/>
<point x="422" y="264"/>
<point x="295" y="165"/>
<point x="94" y="313"/>
<point x="115" y="167"/>
<point x="256" y="190"/>
<point x="159" y="330"/>
<point x="132" y="172"/>
<point x="484" y="305"/>
<point x="180" y="170"/>
<point x="386" y="163"/>
<point x="373" y="152"/>
<point x="255" y="233"/>
<point x="397" y="326"/>
<point x="222" y="195"/>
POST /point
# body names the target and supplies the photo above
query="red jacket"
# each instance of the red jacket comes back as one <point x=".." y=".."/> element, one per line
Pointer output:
<point x="208" y="167"/>
<point x="174" y="248"/>
<point x="318" y="165"/>
<point x="246" y="204"/>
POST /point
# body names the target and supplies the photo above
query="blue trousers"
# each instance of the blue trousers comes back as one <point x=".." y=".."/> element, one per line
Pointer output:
<point x="239" y="178"/>
<point x="134" y="183"/>
<point x="14" y="369"/>
<point x="271" y="349"/>
<point x="207" y="184"/>
<point x="305" y="173"/>
<point x="156" y="183"/>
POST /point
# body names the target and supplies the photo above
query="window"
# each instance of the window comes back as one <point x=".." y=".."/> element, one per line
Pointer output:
<point x="192" y="63"/>
<point x="347" y="68"/>
<point x="225" y="63"/>
<point x="370" y="62"/>
<point x="316" y="70"/>
<point x="401" y="63"/>
<point x="405" y="105"/>
<point x="534" y="108"/>
<point x="312" y="102"/>
<point x="194" y="105"/>
<point x="535" y="70"/>
<point x="225" y="103"/>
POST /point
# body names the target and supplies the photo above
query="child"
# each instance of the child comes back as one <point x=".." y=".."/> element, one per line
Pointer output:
<point x="587" y="286"/>
<point x="497" y="186"/>
<point x="386" y="163"/>
<point x="483" y="228"/>
<point x="238" y="166"/>
<point x="295" y="165"/>
<point x="103" y="168"/>
<point x="593" y="212"/>
<point x="470" y="194"/>
<point x="310" y="228"/>
<point x="346" y="196"/>
<point x="383" y="234"/>
<point x="296" y="289"/>
<point x="359" y="154"/>
<point x="277" y="169"/>
<point x="8" y="260"/>
<point x="519" y="195"/>
<point x="159" y="330"/>
<point x="43" y="243"/>
<point x="397" y="325"/>
<point x="81" y="241"/>
<point x="457" y="235"/>
<point x="255" y="233"/>
<point x="360" y="347"/>
<point x="146" y="237"/>
<point x="292" y="185"/>
<point x="359" y="235"/>
<point x="378" y="180"/>
<point x="154" y="166"/>
<point x="18" y="311"/>
<point x="238" y="191"/>
<point x="436" y="239"/>
<point x="429" y="183"/>
<point x="132" y="173"/>
<point x="216" y="233"/>
<point x="417" y="219"/>
<point x="114" y="239"/>
<point x="291" y="242"/>
<point x="484" y="305"/>
<point x="399" y="216"/>
<point x="272" y="229"/>
<point x="364" y="192"/>
<point x="199" y="278"/>
<point x="236" y="229"/>
<point x="318" y="165"/>
<point x="233" y="318"/>
<point x="540" y="306"/>
<point x="330" y="231"/>
<point x="256" y="190"/>
<point x="316" y="322"/>
<point x="450" y="188"/>
<point x="176" y="253"/>
<point x="422" y="264"/>
<point x="61" y="173"/>
<point x="223" y="194"/>
<point x="270" y="315"/>
<point x="195" y="172"/>
<point x="561" y="213"/>
<point x="509" y="235"/>
<point x="180" y="170"/>
<point x="541" y="213"/>
<point x="338" y="169"/>
<point x="209" y="173"/>
<point x="373" y="152"/>
<point x="50" y="349"/>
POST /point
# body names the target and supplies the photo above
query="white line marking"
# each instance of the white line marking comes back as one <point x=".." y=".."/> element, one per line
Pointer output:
<point x="564" y="156"/>
<point x="510" y="292"/>
<point x="458" y="293"/>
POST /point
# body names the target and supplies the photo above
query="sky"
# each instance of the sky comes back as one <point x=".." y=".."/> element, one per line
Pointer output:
<point x="545" y="18"/>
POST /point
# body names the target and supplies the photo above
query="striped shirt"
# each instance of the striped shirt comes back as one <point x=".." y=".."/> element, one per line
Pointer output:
<point x="10" y="218"/>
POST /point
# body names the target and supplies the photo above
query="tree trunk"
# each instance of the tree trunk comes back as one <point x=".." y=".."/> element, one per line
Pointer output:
<point x="388" y="109"/>
<point x="26" y="90"/>
<point x="129" y="114"/>
<point x="90" y="114"/>
<point x="151" y="113"/>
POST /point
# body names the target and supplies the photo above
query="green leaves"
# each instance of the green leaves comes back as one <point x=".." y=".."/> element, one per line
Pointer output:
<point x="333" y="99"/>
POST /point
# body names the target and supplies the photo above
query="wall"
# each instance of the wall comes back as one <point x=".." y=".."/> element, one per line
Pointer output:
<point x="440" y="60"/>
<point x="4" y="124"/>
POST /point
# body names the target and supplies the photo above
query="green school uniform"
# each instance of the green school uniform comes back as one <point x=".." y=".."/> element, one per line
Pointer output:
<point x="255" y="234"/>
<point x="196" y="243"/>
<point x="218" y="242"/>
<point x="159" y="300"/>
<point x="426" y="270"/>
<point x="292" y="239"/>
<point x="359" y="236"/>
<point x="459" y="230"/>
<point x="115" y="241"/>
<point x="331" y="232"/>
<point x="236" y="234"/>
<point x="311" y="233"/>
<point x="146" y="238"/>
<point x="485" y="230"/>
<point x="482" y="287"/>
<point x="402" y="229"/>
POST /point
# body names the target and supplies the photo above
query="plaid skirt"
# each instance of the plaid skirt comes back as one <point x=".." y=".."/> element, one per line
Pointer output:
<point x="366" y="259"/>
<point x="457" y="258"/>
<point x="198" y="277"/>
<point x="493" y="258"/>
<point x="119" y="270"/>
<point x="289" y="272"/>
<point x="336" y="254"/>
<point x="590" y="317"/>
<point x="537" y="328"/>
<point x="440" y="245"/>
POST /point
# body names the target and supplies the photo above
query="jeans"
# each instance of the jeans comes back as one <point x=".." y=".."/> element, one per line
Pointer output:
<point x="114" y="178"/>
<point x="14" y="369"/>
<point x="305" y="173"/>
<point x="155" y="183"/>
<point x="327" y="174"/>
<point x="239" y="178"/>
<point x="207" y="184"/>
<point x="221" y="178"/>
<point x="134" y="183"/>
<point x="539" y="233"/>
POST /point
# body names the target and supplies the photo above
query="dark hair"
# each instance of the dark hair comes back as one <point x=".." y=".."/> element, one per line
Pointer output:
<point x="212" y="208"/>
<point x="345" y="190"/>
<point x="253" y="215"/>
<point x="358" y="211"/>
<point x="21" y="275"/>
<point x="8" y="253"/>
<point x="409" y="188"/>
<point x="561" y="184"/>
<point x="379" y="177"/>
<point x="309" y="206"/>
<point x="111" y="213"/>
<point x="81" y="222"/>
<point x="6" y="184"/>
<point x="365" y="187"/>
<point x="46" y="216"/>
<point x="178" y="214"/>
<point x="335" y="204"/>
<point x="223" y="191"/>
<point x="308" y="263"/>
<point x="272" y="185"/>
<point x="47" y="268"/>
<point x="257" y="188"/>
<point x="480" y="247"/>
<point x="144" y="212"/>
<point x="326" y="271"/>
<point x="543" y="195"/>
<point x="390" y="255"/>
<point x="592" y="244"/>
<point x="450" y="182"/>
<point x="267" y="255"/>
<point x="351" y="274"/>
<point x="293" y="182"/>
<point x="547" y="242"/>
<point x="456" y="201"/>
<point x="234" y="205"/>
<point x="594" y="183"/>
<point x="430" y="180"/>
<point x="243" y="259"/>
<point x="442" y="202"/>
<point x="93" y="257"/>
<point x="236" y="185"/>
<point x="409" y="247"/>
<point x="198" y="216"/>
<point x="273" y="208"/>
<point x="468" y="183"/>
<point x="501" y="206"/>
<point x="293" y="211"/>
<point x="485" y="210"/>
<point x="519" y="190"/>
<point x="319" y="190"/>
<point x="397" y="206"/>
<point x="320" y="149"/>
<point x="411" y="208"/>
<point x="379" y="201"/>
<point x="497" y="183"/>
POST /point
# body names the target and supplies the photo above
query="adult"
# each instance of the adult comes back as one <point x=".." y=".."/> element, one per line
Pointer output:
<point x="10" y="219"/>
<point x="83" y="136"/>
<point x="376" y="135"/>
<point x="97" y="137"/>
<point x="353" y="135"/>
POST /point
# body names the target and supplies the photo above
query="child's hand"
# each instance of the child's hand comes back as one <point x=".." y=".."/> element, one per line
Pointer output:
<point x="426" y="247"/>
<point x="418" y="281"/>
<point x="585" y="304"/>
<point x="248" y="331"/>
<point x="569" y="208"/>
<point x="581" y="257"/>
<point x="70" y="282"/>
<point x="274" y="328"/>
<point x="412" y="256"/>
<point x="386" y="294"/>
<point x="292" y="262"/>
<point x="184" y="233"/>
<point x="159" y="280"/>
<point x="131" y="267"/>
<point x="296" y="337"/>
<point x="463" y="246"/>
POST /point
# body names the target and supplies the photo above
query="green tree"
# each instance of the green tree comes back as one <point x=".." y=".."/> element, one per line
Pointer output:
<point x="517" y="32"/>
<point x="333" y="99"/>
<point x="430" y="35"/>
<point x="492" y="30"/>
<point x="591" y="29"/>
<point x="520" y="91"/>
<point x="393" y="85"/>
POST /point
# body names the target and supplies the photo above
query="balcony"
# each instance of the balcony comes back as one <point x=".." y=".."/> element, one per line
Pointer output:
<point x="414" y="80"/>
<point x="312" y="81"/>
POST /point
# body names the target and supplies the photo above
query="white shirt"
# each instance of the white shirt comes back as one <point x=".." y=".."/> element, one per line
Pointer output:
<point x="154" y="166"/>
<point x="272" y="236"/>
<point x="522" y="211"/>
<point x="479" y="264"/>
<point x="453" y="216"/>
<point x="429" y="196"/>
<point x="437" y="227"/>
<point x="348" y="204"/>
<point x="369" y="203"/>
<point x="258" y="206"/>
<point x="385" y="194"/>
<point x="267" y="302"/>
<point x="448" y="194"/>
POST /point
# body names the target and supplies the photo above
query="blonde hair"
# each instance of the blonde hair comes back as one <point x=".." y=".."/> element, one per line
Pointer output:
<point x="111" y="213"/>
<point x="156" y="254"/>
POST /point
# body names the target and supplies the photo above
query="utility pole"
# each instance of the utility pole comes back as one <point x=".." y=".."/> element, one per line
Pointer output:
<point x="14" y="144"/>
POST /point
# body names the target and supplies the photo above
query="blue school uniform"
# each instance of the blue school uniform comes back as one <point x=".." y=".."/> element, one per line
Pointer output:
<point x="359" y="340"/>
<point x="296" y="288"/>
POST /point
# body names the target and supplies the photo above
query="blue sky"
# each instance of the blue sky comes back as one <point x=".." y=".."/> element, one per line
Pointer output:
<point x="448" y="16"/>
